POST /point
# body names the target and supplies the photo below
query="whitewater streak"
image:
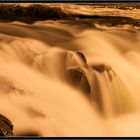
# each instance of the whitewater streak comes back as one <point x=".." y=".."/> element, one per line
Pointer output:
<point x="35" y="96"/>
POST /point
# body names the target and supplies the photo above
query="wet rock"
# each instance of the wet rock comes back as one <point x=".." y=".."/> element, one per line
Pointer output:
<point x="74" y="60"/>
<point x="77" y="77"/>
<point x="101" y="67"/>
<point x="6" y="127"/>
<point x="82" y="56"/>
<point x="105" y="68"/>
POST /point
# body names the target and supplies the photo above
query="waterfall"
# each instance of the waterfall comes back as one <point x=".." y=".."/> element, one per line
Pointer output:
<point x="63" y="80"/>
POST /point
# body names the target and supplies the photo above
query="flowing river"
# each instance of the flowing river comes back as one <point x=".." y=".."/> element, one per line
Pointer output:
<point x="36" y="61"/>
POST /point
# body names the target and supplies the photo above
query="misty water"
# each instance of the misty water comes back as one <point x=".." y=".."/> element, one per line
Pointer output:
<point x="36" y="95"/>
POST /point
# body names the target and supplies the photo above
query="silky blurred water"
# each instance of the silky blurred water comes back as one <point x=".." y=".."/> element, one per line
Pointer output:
<point x="35" y="96"/>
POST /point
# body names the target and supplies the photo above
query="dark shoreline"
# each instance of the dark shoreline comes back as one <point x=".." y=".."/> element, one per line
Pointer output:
<point x="38" y="12"/>
<point x="105" y="20"/>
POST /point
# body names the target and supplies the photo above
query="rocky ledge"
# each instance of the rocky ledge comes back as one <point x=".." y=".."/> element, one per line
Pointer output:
<point x="6" y="127"/>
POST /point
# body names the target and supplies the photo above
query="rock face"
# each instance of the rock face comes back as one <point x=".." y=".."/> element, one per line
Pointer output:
<point x="6" y="127"/>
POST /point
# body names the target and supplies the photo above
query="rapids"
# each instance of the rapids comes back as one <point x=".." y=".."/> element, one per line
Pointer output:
<point x="35" y="96"/>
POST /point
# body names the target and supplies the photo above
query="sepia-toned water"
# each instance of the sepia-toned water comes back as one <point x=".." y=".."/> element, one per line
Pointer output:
<point x="36" y="97"/>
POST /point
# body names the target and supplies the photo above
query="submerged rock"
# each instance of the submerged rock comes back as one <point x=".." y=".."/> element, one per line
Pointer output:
<point x="6" y="127"/>
<point x="101" y="67"/>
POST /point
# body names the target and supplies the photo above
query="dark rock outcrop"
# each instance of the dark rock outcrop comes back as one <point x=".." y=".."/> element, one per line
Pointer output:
<point x="77" y="77"/>
<point x="6" y="127"/>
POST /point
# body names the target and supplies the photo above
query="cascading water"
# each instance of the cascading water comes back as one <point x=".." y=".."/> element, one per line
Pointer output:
<point x="35" y="95"/>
